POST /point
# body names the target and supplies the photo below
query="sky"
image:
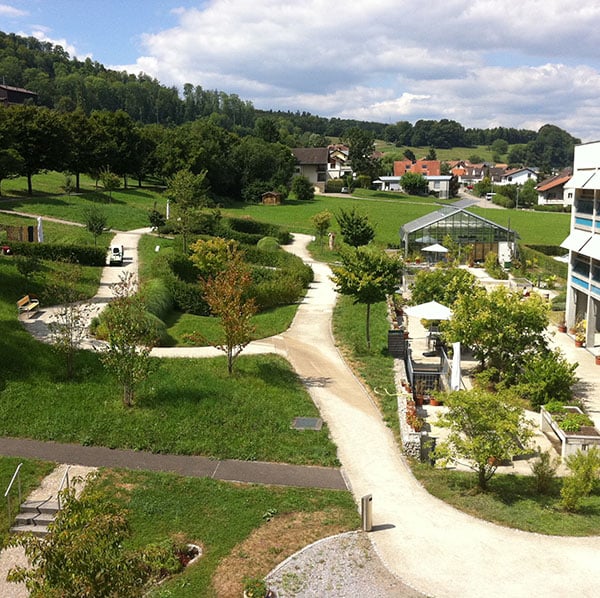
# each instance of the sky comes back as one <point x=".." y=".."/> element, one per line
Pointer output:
<point x="483" y="63"/>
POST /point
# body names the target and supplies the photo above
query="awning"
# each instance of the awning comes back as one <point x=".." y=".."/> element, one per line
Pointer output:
<point x="592" y="247"/>
<point x="576" y="240"/>
<point x="579" y="179"/>
<point x="593" y="182"/>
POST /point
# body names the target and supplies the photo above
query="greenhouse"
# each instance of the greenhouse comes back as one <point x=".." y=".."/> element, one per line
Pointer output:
<point x="463" y="228"/>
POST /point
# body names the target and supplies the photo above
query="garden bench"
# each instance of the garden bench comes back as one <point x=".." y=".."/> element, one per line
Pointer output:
<point x="28" y="304"/>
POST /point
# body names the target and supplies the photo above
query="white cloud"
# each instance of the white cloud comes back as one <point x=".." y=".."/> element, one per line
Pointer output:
<point x="476" y="61"/>
<point x="11" y="12"/>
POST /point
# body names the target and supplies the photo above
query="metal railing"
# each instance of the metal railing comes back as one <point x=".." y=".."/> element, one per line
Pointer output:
<point x="16" y="476"/>
<point x="64" y="483"/>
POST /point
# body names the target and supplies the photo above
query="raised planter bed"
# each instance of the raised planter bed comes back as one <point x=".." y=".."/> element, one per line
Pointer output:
<point x="571" y="442"/>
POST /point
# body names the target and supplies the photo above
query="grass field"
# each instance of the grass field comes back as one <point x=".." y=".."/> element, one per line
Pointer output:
<point x="187" y="406"/>
<point x="454" y="153"/>
<point x="512" y="501"/>
<point x="224" y="518"/>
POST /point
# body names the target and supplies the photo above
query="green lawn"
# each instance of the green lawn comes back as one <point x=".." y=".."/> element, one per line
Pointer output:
<point x="512" y="501"/>
<point x="218" y="516"/>
<point x="187" y="406"/>
<point x="267" y="323"/>
<point x="127" y="210"/>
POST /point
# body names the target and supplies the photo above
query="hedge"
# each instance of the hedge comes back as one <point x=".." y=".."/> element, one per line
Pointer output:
<point x="544" y="260"/>
<point x="84" y="255"/>
<point x="158" y="298"/>
<point x="334" y="186"/>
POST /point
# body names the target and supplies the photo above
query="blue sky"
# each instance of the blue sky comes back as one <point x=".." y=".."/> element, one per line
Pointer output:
<point x="483" y="63"/>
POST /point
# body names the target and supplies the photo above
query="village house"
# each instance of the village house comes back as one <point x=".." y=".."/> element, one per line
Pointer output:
<point x="555" y="190"/>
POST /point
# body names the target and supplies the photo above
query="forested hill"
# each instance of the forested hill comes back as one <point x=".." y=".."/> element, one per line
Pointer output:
<point x="66" y="84"/>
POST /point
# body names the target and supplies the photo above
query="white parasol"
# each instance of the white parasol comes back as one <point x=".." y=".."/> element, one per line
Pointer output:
<point x="431" y="310"/>
<point x="455" y="375"/>
<point x="40" y="230"/>
<point x="435" y="248"/>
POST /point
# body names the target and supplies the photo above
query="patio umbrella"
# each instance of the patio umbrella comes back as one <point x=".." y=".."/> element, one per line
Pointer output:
<point x="435" y="248"/>
<point x="40" y="230"/>
<point x="431" y="310"/>
<point x="455" y="374"/>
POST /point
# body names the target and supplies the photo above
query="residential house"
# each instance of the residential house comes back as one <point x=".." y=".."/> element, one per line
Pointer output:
<point x="551" y="191"/>
<point x="438" y="185"/>
<point x="11" y="96"/>
<point x="583" y="243"/>
<point x="518" y="176"/>
<point x="424" y="167"/>
<point x="321" y="164"/>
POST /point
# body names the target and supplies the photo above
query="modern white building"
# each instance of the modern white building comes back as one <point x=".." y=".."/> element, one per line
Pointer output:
<point x="583" y="243"/>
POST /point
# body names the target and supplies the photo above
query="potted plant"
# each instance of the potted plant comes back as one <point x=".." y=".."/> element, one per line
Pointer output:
<point x="255" y="587"/>
<point x="562" y="326"/>
<point x="580" y="333"/>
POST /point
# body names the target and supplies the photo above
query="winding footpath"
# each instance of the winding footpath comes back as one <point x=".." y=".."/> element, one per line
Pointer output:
<point x="429" y="545"/>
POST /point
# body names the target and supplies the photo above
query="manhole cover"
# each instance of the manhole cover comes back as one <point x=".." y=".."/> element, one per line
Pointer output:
<point x="307" y="423"/>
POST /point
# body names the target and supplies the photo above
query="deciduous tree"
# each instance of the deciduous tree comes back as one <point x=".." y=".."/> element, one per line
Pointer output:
<point x="414" y="184"/>
<point x="131" y="336"/>
<point x="503" y="328"/>
<point x="95" y="221"/>
<point x="189" y="193"/>
<point x="69" y="323"/>
<point x="226" y="295"/>
<point x="368" y="275"/>
<point x="322" y="222"/>
<point x="84" y="554"/>
<point x="485" y="429"/>
<point x="302" y="188"/>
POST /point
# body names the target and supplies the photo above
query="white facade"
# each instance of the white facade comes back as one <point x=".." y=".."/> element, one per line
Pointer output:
<point x="518" y="177"/>
<point x="583" y="243"/>
<point x="440" y="185"/>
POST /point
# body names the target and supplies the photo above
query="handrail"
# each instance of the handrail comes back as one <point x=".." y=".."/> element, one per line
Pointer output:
<point x="62" y="483"/>
<point x="7" y="493"/>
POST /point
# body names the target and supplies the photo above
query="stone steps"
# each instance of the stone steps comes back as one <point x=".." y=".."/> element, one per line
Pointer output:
<point x="35" y="516"/>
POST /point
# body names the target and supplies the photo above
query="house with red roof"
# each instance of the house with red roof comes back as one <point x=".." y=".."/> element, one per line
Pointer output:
<point x="551" y="191"/>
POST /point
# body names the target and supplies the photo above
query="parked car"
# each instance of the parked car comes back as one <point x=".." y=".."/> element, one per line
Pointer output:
<point x="489" y="196"/>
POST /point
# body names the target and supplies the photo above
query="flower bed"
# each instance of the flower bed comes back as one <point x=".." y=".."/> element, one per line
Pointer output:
<point x="571" y="425"/>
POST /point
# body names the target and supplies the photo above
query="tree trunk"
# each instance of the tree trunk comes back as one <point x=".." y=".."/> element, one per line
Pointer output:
<point x="482" y="478"/>
<point x="127" y="395"/>
<point x="368" y="325"/>
<point x="29" y="184"/>
<point x="77" y="182"/>
<point x="229" y="362"/>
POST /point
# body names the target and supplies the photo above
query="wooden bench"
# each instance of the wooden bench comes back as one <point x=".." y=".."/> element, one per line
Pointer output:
<point x="28" y="304"/>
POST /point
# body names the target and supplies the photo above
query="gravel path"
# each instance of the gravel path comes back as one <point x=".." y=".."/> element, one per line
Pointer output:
<point x="341" y="566"/>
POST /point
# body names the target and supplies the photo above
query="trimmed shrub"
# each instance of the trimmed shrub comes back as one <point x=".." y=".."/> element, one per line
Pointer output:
<point x="183" y="268"/>
<point x="272" y="293"/>
<point x="551" y="208"/>
<point x="334" y="186"/>
<point x="187" y="297"/>
<point x="268" y="244"/>
<point x="250" y="232"/>
<point x="76" y="254"/>
<point x="158" y="298"/>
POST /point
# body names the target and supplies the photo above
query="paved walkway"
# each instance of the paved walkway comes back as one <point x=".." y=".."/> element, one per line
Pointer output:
<point x="428" y="544"/>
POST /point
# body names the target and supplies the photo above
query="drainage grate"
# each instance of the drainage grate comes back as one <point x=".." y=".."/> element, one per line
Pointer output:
<point x="307" y="423"/>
